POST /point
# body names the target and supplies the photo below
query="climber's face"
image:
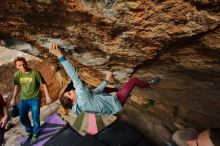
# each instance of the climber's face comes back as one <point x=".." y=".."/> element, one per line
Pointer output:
<point x="71" y="95"/>
<point x="202" y="140"/>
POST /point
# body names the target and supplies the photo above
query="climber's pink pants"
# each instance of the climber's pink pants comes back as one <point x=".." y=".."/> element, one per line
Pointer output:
<point x="126" y="89"/>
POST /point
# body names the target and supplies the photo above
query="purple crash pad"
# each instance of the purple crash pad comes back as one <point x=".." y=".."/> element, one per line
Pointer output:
<point x="53" y="124"/>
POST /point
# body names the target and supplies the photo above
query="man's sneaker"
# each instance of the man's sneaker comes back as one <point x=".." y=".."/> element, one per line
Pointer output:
<point x="154" y="81"/>
<point x="28" y="137"/>
<point x="34" y="138"/>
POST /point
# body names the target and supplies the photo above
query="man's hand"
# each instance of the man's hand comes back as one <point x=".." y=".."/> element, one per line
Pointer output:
<point x="3" y="121"/>
<point x="55" y="50"/>
<point x="48" y="100"/>
<point x="13" y="102"/>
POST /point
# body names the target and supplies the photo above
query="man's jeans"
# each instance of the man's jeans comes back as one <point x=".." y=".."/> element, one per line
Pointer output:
<point x="1" y="135"/>
<point x="24" y="107"/>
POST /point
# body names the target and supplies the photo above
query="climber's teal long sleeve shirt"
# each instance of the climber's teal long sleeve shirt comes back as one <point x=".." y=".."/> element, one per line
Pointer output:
<point x="91" y="101"/>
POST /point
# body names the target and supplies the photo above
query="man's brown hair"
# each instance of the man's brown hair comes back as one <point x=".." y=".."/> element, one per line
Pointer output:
<point x="20" y="59"/>
<point x="214" y="135"/>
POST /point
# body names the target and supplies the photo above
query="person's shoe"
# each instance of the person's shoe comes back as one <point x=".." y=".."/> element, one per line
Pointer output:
<point x="34" y="138"/>
<point x="28" y="137"/>
<point x="154" y="81"/>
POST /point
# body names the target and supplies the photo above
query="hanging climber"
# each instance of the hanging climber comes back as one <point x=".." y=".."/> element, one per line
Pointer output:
<point x="96" y="101"/>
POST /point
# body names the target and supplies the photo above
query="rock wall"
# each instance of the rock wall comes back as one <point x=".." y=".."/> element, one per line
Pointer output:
<point x="175" y="39"/>
<point x="188" y="94"/>
<point x="130" y="33"/>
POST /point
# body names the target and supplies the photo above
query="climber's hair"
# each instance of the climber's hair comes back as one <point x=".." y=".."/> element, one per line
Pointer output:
<point x="20" y="59"/>
<point x="214" y="135"/>
<point x="66" y="102"/>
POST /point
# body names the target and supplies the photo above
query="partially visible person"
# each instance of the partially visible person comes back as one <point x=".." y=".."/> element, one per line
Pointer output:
<point x="96" y="101"/>
<point x="210" y="137"/>
<point x="3" y="118"/>
<point x="28" y="82"/>
<point x="191" y="137"/>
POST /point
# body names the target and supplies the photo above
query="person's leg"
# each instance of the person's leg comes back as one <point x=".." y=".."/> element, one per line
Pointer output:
<point x="35" y="109"/>
<point x="1" y="136"/>
<point x="23" y="113"/>
<point x="125" y="91"/>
